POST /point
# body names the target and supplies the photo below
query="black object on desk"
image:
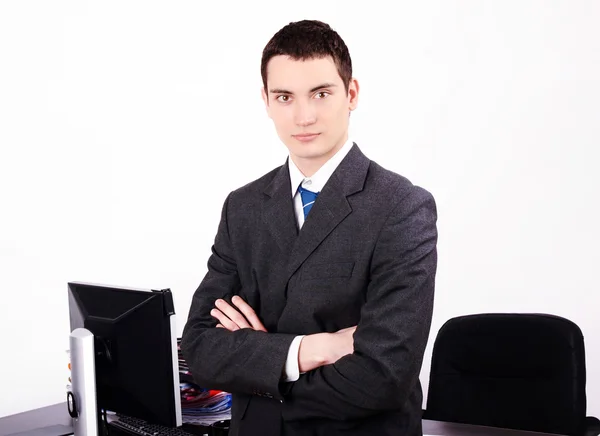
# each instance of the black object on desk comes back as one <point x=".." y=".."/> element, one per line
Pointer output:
<point x="135" y="351"/>
<point x="220" y="428"/>
<point x="138" y="427"/>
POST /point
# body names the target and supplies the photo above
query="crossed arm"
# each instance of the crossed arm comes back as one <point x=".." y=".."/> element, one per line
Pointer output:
<point x="315" y="350"/>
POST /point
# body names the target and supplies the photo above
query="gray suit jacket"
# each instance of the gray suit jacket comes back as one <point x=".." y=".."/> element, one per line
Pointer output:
<point x="366" y="255"/>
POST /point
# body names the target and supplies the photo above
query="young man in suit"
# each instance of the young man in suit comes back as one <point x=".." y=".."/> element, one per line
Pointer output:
<point x="316" y="307"/>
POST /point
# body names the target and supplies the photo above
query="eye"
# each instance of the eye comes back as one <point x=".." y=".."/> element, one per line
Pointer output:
<point x="322" y="94"/>
<point x="283" y="98"/>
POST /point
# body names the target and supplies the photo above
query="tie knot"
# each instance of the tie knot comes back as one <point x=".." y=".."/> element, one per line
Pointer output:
<point x="307" y="196"/>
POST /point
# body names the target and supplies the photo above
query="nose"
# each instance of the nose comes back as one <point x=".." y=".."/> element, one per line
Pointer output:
<point x="304" y="114"/>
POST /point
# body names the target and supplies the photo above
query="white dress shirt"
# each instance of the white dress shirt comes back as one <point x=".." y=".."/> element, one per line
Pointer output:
<point x="314" y="183"/>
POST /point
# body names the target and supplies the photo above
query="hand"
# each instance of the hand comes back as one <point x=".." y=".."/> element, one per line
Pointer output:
<point x="325" y="348"/>
<point x="230" y="318"/>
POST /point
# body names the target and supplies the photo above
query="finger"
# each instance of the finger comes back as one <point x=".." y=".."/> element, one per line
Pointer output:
<point x="220" y="326"/>
<point x="224" y="321"/>
<point x="249" y="313"/>
<point x="232" y="314"/>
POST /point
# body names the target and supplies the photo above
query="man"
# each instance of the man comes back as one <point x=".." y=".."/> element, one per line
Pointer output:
<point x="317" y="304"/>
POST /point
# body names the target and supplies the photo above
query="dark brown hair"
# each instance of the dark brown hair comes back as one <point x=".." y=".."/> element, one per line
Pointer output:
<point x="308" y="39"/>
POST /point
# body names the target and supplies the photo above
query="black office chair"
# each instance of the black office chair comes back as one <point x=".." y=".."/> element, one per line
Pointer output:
<point x="519" y="371"/>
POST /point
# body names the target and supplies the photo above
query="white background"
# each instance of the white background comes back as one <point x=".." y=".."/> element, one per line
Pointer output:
<point x="124" y="124"/>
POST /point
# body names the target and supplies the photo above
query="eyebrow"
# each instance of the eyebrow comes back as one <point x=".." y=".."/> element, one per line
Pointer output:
<point x="316" y="88"/>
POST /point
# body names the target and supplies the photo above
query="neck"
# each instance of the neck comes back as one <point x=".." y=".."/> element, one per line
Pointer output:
<point x="308" y="167"/>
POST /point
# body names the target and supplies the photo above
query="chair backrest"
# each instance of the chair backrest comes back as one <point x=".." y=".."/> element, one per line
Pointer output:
<point x="520" y="371"/>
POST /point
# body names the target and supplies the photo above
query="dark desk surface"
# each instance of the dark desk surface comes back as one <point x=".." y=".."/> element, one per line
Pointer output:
<point x="30" y="420"/>
<point x="57" y="414"/>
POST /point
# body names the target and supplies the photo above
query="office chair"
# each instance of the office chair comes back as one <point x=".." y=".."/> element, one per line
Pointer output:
<point x="519" y="371"/>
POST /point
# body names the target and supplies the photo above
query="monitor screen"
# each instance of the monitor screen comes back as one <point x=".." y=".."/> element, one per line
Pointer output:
<point x="135" y="343"/>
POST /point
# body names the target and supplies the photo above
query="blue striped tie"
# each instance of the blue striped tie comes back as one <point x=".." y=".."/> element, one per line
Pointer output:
<point x="308" y="199"/>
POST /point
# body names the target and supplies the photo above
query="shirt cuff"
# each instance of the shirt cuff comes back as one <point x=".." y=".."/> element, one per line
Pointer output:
<point x="292" y="371"/>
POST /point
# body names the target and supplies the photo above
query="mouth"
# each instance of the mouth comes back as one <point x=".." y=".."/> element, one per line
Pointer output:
<point x="306" y="137"/>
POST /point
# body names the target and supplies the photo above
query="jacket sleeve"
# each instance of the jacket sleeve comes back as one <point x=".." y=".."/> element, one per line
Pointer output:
<point x="390" y="339"/>
<point x="243" y="361"/>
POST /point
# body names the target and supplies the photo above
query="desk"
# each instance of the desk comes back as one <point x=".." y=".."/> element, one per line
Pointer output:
<point x="57" y="414"/>
<point x="32" y="419"/>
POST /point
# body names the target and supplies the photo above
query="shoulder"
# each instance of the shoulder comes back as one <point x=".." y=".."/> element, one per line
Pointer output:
<point x="254" y="190"/>
<point x="407" y="211"/>
<point x="393" y="187"/>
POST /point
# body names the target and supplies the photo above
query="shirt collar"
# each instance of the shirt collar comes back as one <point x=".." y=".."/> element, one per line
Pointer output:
<point x="317" y="182"/>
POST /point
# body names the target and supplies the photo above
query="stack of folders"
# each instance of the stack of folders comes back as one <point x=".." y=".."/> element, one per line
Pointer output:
<point x="200" y="406"/>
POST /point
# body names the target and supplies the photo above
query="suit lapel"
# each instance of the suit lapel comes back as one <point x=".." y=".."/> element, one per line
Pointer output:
<point x="331" y="207"/>
<point x="278" y="211"/>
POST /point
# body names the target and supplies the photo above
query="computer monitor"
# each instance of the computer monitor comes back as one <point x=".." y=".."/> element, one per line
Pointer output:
<point x="134" y="359"/>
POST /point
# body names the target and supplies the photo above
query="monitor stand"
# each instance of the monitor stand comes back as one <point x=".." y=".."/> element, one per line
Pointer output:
<point x="81" y="399"/>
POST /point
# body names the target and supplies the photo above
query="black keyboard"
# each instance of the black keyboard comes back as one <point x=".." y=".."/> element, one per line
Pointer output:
<point x="143" y="428"/>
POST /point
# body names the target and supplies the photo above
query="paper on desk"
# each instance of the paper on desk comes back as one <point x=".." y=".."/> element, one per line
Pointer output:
<point x="204" y="406"/>
<point x="198" y="405"/>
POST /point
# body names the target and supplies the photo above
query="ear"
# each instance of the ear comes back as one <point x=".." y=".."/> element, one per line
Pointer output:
<point x="353" y="89"/>
<point x="265" y="98"/>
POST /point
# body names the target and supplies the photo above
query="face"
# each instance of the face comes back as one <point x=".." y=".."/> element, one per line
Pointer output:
<point x="309" y="105"/>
